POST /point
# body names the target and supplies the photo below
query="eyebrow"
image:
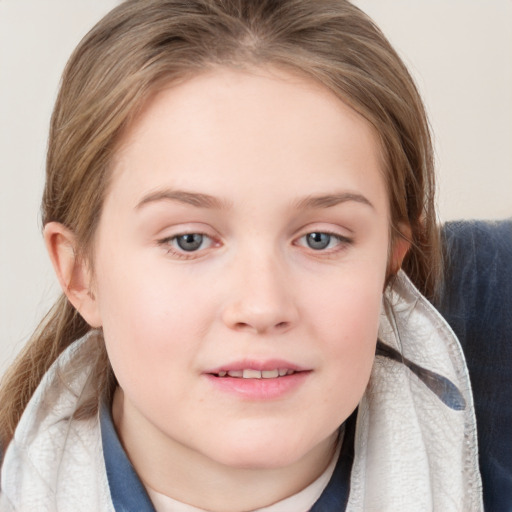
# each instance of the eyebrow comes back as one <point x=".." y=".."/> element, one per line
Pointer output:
<point x="207" y="201"/>
<point x="330" y="200"/>
<point x="192" y="198"/>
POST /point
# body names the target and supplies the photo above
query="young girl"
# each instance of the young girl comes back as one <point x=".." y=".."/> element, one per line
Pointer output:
<point x="232" y="189"/>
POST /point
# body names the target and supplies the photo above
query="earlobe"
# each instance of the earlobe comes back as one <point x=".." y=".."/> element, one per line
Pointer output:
<point x="73" y="273"/>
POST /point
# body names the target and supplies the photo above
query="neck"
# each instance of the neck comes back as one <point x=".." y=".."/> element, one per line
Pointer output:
<point x="175" y="470"/>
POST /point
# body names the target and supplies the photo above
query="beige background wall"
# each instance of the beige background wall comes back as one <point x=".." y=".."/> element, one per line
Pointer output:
<point x="460" y="52"/>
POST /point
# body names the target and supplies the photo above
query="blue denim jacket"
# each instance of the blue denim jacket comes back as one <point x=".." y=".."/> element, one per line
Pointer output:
<point x="477" y="303"/>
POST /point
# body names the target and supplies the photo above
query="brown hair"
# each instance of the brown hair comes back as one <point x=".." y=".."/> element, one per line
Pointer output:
<point x="142" y="45"/>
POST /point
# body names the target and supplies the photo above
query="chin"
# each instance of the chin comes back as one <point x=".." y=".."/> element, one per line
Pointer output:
<point x="256" y="452"/>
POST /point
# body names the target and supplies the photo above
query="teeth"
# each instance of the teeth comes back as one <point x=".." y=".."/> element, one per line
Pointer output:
<point x="256" y="374"/>
<point x="251" y="374"/>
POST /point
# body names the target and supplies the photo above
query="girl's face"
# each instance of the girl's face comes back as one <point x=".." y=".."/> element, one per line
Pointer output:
<point x="239" y="267"/>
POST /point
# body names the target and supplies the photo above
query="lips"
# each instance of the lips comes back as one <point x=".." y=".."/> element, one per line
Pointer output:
<point x="258" y="380"/>
<point x="249" y="373"/>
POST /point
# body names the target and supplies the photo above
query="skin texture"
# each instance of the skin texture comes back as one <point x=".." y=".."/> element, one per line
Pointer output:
<point x="264" y="146"/>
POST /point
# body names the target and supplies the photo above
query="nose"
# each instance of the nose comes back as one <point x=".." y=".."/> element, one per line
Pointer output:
<point x="261" y="296"/>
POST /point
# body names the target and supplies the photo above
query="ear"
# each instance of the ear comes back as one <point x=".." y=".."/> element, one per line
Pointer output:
<point x="73" y="273"/>
<point x="401" y="245"/>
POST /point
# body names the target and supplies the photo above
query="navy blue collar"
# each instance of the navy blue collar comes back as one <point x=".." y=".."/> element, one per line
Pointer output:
<point x="335" y="495"/>
<point x="126" y="490"/>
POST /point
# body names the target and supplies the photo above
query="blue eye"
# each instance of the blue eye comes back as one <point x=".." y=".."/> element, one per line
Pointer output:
<point x="187" y="245"/>
<point x="319" y="241"/>
<point x="322" y="241"/>
<point x="189" y="242"/>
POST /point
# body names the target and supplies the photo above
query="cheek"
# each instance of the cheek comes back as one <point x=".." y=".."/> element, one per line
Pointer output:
<point x="147" y="320"/>
<point x="356" y="322"/>
<point x="348" y="321"/>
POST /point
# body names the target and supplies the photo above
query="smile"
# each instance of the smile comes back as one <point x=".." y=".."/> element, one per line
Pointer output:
<point x="256" y="374"/>
<point x="258" y="380"/>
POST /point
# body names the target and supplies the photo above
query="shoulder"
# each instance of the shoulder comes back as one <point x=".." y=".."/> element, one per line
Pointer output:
<point x="480" y="252"/>
<point x="476" y="300"/>
<point x="476" y="296"/>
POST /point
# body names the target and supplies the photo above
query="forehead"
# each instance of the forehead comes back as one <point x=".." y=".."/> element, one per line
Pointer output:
<point x="251" y="128"/>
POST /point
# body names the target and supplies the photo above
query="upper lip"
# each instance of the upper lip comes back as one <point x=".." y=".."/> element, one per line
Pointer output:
<point x="260" y="365"/>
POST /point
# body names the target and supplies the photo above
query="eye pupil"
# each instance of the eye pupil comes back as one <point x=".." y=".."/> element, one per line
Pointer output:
<point x="318" y="240"/>
<point x="190" y="241"/>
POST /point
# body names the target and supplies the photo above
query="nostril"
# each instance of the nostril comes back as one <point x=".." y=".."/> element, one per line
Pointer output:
<point x="241" y="326"/>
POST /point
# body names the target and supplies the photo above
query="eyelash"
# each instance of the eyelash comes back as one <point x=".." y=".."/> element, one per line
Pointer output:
<point x="342" y="243"/>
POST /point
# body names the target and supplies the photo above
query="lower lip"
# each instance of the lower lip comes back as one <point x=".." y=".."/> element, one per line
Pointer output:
<point x="260" y="389"/>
